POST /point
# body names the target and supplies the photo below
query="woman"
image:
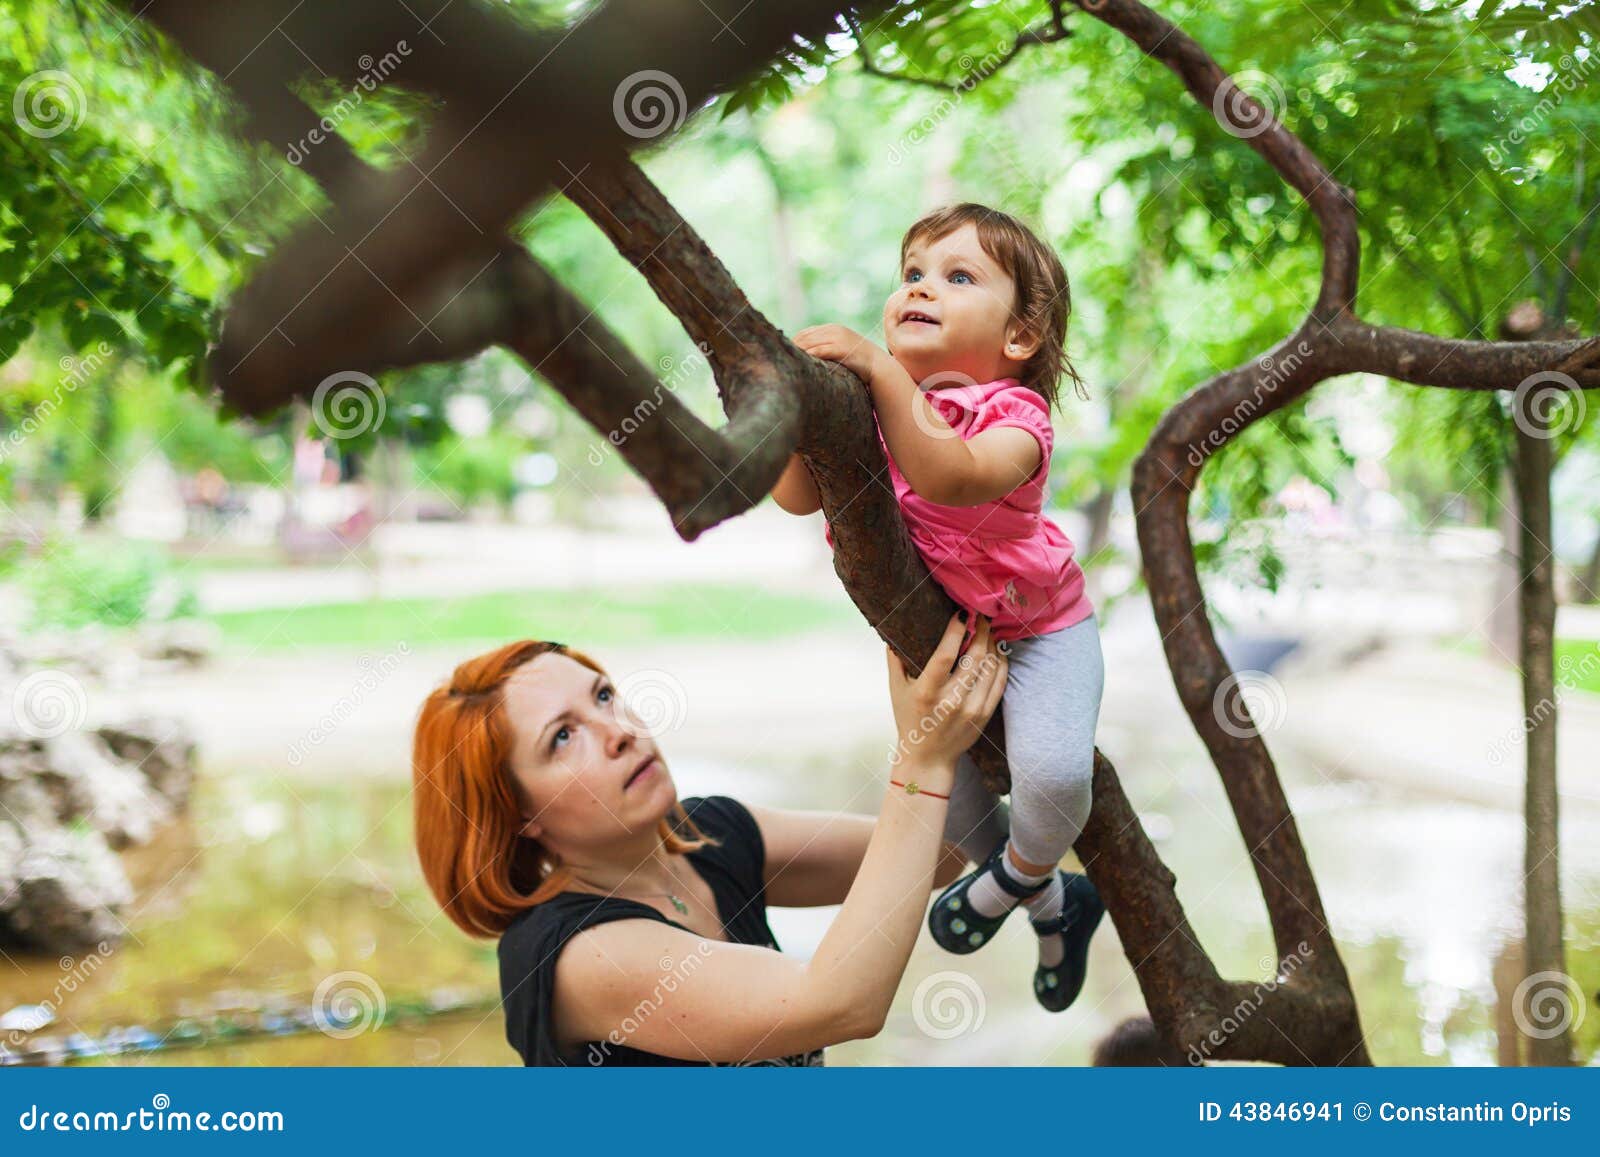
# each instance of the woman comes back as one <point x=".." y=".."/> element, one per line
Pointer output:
<point x="632" y="926"/>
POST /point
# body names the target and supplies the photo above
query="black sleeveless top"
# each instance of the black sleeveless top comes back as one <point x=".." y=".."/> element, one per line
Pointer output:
<point x="530" y="946"/>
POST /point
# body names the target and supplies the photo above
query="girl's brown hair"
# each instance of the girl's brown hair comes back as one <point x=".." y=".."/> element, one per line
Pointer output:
<point x="1044" y="299"/>
<point x="465" y="799"/>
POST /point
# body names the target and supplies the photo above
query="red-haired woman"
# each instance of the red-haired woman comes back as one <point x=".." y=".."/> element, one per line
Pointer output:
<point x="633" y="925"/>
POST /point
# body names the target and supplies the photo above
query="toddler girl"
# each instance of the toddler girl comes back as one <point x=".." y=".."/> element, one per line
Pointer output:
<point x="976" y="335"/>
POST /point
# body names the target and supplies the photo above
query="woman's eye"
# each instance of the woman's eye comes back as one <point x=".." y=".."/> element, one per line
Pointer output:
<point x="562" y="735"/>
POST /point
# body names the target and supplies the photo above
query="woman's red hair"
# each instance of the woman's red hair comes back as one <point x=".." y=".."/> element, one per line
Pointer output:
<point x="468" y="816"/>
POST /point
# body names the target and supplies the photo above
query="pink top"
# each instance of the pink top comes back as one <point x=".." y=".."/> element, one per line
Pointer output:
<point x="1003" y="559"/>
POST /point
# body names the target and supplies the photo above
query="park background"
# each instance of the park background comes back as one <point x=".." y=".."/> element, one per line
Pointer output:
<point x="283" y="592"/>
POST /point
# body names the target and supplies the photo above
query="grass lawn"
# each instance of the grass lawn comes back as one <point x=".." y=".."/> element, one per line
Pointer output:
<point x="583" y="618"/>
<point x="1582" y="664"/>
<point x="1582" y="656"/>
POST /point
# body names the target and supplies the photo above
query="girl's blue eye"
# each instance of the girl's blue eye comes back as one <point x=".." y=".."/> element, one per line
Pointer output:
<point x="606" y="694"/>
<point x="913" y="276"/>
<point x="960" y="273"/>
<point x="561" y="736"/>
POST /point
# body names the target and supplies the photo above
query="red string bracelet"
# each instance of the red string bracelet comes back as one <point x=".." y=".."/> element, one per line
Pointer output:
<point x="914" y="788"/>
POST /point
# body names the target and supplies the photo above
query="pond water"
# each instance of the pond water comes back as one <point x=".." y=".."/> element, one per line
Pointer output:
<point x="280" y="897"/>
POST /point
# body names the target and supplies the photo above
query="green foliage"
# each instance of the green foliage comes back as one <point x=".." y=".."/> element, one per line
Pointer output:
<point x="118" y="584"/>
<point x="471" y="470"/>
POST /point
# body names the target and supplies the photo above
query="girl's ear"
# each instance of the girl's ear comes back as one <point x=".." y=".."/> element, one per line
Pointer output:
<point x="1021" y="344"/>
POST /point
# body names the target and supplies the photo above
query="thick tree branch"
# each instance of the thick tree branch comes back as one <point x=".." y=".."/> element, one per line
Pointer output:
<point x="492" y="150"/>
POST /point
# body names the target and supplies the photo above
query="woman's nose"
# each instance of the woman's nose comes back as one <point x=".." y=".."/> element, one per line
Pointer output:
<point x="618" y="735"/>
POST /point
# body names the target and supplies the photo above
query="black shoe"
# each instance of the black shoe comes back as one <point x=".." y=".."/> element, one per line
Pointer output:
<point x="1081" y="911"/>
<point x="955" y="925"/>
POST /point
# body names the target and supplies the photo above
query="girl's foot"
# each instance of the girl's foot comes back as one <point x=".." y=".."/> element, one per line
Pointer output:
<point x="959" y="927"/>
<point x="1064" y="938"/>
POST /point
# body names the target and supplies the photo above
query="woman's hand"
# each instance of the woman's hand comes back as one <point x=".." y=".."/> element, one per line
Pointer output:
<point x="941" y="712"/>
<point x="837" y="343"/>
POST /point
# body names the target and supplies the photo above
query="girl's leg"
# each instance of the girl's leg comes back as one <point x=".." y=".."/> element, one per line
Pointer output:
<point x="1051" y="706"/>
<point x="976" y="819"/>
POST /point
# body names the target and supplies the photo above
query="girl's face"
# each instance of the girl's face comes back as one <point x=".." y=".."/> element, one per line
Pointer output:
<point x="589" y="773"/>
<point x="952" y="312"/>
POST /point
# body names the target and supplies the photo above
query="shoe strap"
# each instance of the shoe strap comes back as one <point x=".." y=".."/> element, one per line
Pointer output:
<point x="1010" y="883"/>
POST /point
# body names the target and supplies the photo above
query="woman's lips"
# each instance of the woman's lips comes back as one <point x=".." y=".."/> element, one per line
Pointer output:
<point x="644" y="773"/>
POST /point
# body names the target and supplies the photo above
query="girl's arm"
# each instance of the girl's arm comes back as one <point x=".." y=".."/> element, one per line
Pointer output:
<point x="813" y="856"/>
<point x="937" y="463"/>
<point x="712" y="1001"/>
<point x="795" y="490"/>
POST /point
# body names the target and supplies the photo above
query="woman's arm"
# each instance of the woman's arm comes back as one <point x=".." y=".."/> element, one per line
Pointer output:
<point x="813" y="856"/>
<point x="706" y="1000"/>
<point x="795" y="490"/>
<point x="936" y="462"/>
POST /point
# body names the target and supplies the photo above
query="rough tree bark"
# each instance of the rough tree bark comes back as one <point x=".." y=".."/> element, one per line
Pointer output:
<point x="482" y="290"/>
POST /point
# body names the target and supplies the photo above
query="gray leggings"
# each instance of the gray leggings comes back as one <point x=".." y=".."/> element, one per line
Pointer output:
<point x="1051" y="704"/>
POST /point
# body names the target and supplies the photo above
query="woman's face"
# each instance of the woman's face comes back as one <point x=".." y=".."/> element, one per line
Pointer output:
<point x="589" y="772"/>
<point x="952" y="311"/>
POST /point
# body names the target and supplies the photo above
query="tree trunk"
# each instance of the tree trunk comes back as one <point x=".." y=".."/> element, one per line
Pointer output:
<point x="1545" y="984"/>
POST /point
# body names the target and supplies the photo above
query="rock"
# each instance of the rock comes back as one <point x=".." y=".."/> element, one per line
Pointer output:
<point x="109" y="795"/>
<point x="26" y="1018"/>
<point x="162" y="748"/>
<point x="70" y="887"/>
<point x="78" y="783"/>
<point x="10" y="861"/>
<point x="190" y="641"/>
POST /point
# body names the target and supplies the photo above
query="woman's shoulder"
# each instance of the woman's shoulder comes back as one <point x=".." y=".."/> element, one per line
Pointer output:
<point x="722" y="816"/>
<point x="535" y="934"/>
<point x="528" y="950"/>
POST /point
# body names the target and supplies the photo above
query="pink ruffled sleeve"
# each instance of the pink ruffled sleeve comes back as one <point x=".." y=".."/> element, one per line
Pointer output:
<point x="1018" y="406"/>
